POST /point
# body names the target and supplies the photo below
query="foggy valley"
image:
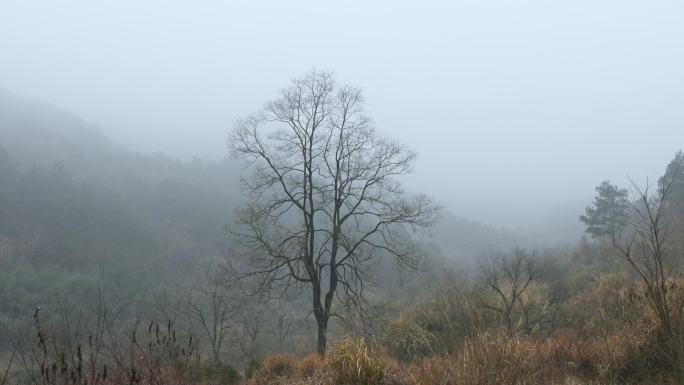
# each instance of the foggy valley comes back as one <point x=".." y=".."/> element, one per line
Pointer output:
<point x="300" y="193"/>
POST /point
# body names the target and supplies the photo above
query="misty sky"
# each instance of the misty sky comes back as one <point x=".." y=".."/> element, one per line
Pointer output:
<point x="515" y="107"/>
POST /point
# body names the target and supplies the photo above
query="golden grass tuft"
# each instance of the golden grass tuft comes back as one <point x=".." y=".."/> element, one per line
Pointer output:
<point x="353" y="362"/>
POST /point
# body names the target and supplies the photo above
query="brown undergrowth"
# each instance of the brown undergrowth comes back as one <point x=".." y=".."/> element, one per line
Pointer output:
<point x="565" y="358"/>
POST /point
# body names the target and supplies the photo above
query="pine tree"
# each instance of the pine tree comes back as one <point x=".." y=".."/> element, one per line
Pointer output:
<point x="608" y="215"/>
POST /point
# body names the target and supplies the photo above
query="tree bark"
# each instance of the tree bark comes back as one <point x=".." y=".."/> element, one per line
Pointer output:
<point x="322" y="317"/>
<point x="322" y="341"/>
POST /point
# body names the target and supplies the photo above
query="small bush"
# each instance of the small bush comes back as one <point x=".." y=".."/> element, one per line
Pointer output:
<point x="277" y="366"/>
<point x="352" y="362"/>
<point x="252" y="368"/>
<point x="311" y="365"/>
<point x="280" y="365"/>
<point x="406" y="340"/>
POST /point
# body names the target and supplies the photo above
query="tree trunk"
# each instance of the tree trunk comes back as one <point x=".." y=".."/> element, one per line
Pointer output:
<point x="322" y="338"/>
<point x="322" y="317"/>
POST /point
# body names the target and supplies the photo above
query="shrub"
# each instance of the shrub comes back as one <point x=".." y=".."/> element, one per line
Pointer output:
<point x="437" y="324"/>
<point x="277" y="366"/>
<point x="252" y="368"/>
<point x="352" y="362"/>
<point x="311" y="365"/>
<point x="406" y="340"/>
<point x="484" y="360"/>
<point x="280" y="365"/>
<point x="609" y="304"/>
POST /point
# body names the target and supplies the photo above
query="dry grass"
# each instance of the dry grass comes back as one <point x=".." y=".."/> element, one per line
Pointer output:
<point x="405" y="339"/>
<point x="276" y="369"/>
<point x="311" y="366"/>
<point x="566" y="358"/>
<point x="348" y="362"/>
<point x="352" y="362"/>
<point x="485" y="360"/>
<point x="612" y="342"/>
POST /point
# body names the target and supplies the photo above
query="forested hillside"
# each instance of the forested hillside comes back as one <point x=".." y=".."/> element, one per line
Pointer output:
<point x="132" y="253"/>
<point x="78" y="212"/>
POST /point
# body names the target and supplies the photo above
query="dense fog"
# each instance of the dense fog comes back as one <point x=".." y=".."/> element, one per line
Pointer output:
<point x="351" y="193"/>
<point x="544" y="98"/>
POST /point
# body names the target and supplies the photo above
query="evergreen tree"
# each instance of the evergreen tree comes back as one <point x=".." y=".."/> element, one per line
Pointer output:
<point x="608" y="215"/>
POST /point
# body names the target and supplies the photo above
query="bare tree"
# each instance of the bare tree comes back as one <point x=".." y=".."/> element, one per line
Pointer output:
<point x="250" y="327"/>
<point x="283" y="327"/>
<point x="324" y="198"/>
<point x="509" y="276"/>
<point x="651" y="253"/>
<point x="214" y="307"/>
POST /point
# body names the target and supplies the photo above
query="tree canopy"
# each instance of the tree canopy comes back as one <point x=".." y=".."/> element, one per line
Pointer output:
<point x="608" y="215"/>
<point x="324" y="196"/>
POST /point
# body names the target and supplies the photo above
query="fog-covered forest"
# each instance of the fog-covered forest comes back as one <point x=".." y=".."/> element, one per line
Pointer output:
<point x="466" y="193"/>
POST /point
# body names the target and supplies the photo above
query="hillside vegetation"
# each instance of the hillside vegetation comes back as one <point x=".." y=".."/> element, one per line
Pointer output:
<point x="119" y="268"/>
